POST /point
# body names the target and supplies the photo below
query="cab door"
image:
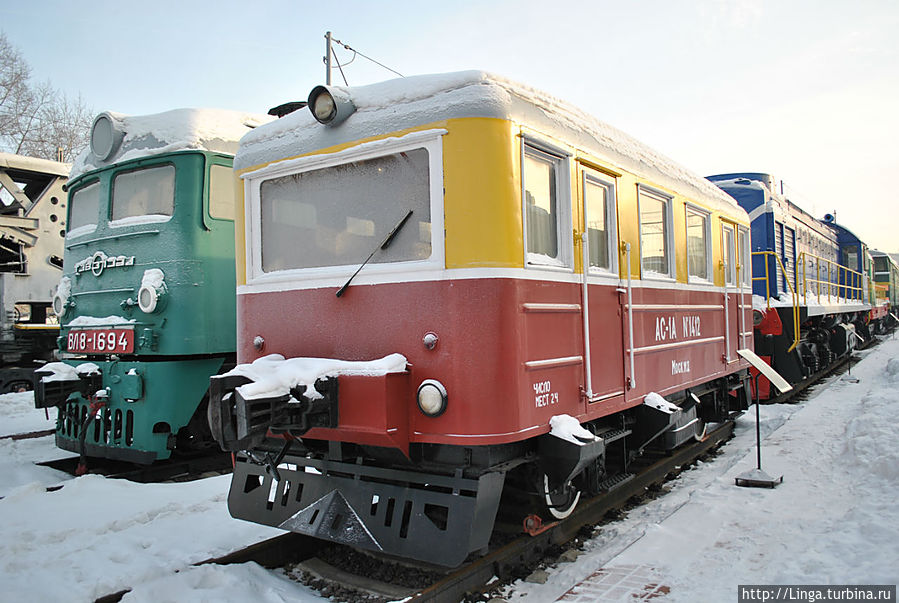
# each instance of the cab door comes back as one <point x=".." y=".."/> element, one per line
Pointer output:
<point x="602" y="303"/>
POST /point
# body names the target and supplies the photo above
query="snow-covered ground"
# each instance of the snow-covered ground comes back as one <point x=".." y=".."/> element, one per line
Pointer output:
<point x="834" y="520"/>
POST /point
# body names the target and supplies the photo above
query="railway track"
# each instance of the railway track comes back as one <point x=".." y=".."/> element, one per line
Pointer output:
<point x="511" y="555"/>
<point x="29" y="435"/>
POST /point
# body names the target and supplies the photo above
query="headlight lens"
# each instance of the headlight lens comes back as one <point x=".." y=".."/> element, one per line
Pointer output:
<point x="757" y="317"/>
<point x="323" y="109"/>
<point x="432" y="398"/>
<point x="147" y="299"/>
<point x="59" y="306"/>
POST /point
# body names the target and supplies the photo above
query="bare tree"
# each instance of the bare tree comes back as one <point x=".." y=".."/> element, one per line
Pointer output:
<point x="38" y="120"/>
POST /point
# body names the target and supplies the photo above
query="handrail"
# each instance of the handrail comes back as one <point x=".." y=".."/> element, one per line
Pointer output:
<point x="795" y="297"/>
<point x="841" y="282"/>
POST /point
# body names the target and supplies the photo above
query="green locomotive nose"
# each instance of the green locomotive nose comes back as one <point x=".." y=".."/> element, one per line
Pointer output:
<point x="147" y="299"/>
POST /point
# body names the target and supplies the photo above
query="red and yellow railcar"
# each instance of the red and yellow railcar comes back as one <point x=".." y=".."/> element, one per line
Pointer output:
<point x="513" y="263"/>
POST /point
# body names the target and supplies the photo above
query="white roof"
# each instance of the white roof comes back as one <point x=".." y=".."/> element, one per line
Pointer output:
<point x="33" y="164"/>
<point x="215" y="130"/>
<point x="397" y="104"/>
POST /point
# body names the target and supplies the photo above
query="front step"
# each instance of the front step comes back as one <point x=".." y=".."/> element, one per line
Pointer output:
<point x="616" y="481"/>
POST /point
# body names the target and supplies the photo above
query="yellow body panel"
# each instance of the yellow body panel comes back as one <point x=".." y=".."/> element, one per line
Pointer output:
<point x="482" y="202"/>
<point x="483" y="207"/>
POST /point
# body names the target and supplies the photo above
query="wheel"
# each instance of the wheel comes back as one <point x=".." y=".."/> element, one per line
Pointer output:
<point x="560" y="502"/>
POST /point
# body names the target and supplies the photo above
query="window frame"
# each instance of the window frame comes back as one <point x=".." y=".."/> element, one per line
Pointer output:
<point x="730" y="270"/>
<point x="564" y="260"/>
<point x="600" y="179"/>
<point x="745" y="259"/>
<point x="706" y="215"/>
<point x="667" y="200"/>
<point x="429" y="140"/>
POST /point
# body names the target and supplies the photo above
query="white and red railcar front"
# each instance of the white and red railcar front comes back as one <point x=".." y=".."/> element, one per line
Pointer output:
<point x="443" y="224"/>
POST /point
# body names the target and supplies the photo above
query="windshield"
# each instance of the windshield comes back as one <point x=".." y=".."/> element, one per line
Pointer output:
<point x="144" y="193"/>
<point x="84" y="206"/>
<point x="336" y="216"/>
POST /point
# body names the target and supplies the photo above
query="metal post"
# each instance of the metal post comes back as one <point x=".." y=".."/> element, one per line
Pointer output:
<point x="328" y="58"/>
<point x="758" y="425"/>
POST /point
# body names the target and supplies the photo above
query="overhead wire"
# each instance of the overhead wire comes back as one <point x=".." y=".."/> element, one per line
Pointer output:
<point x="356" y="52"/>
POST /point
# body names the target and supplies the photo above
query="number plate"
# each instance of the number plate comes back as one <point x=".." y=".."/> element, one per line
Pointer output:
<point x="101" y="341"/>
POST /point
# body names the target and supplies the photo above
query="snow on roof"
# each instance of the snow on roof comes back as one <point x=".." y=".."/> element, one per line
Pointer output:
<point x="275" y="376"/>
<point x="742" y="182"/>
<point x="176" y="130"/>
<point x="403" y="103"/>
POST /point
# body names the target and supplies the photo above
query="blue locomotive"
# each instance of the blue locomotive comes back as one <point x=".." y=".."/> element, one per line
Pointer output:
<point x="812" y="281"/>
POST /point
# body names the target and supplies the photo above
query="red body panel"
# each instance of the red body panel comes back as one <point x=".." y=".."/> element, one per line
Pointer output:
<point x="510" y="351"/>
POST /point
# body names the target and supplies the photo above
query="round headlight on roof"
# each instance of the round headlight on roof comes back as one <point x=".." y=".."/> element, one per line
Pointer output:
<point x="106" y="136"/>
<point x="329" y="105"/>
<point x="431" y="398"/>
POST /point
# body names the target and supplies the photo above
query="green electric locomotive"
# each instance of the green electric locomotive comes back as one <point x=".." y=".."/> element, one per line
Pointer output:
<point x="146" y="303"/>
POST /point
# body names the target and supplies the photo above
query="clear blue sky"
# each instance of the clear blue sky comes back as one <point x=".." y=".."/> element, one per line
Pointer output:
<point x="804" y="89"/>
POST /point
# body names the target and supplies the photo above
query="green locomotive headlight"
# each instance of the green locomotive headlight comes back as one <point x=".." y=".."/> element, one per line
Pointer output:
<point x="152" y="291"/>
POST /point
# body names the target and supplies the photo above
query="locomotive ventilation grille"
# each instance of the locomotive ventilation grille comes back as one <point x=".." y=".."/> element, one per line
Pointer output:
<point x="109" y="428"/>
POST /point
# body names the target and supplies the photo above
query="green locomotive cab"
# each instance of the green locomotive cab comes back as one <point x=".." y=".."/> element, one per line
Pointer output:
<point x="146" y="304"/>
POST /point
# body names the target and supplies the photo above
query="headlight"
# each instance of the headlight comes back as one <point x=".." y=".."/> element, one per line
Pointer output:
<point x="147" y="299"/>
<point x="61" y="297"/>
<point x="431" y="398"/>
<point x="330" y="105"/>
<point x="59" y="305"/>
<point x="107" y="134"/>
<point x="757" y="317"/>
<point x="151" y="292"/>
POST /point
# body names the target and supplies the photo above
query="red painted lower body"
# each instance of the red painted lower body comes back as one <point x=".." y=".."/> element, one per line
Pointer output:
<point x="510" y="352"/>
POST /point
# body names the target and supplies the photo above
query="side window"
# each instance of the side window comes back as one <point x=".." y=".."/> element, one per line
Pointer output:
<point x="655" y="232"/>
<point x="84" y="207"/>
<point x="545" y="213"/>
<point x="730" y="255"/>
<point x="698" y="254"/>
<point x="745" y="257"/>
<point x="850" y="257"/>
<point x="221" y="192"/>
<point x="600" y="217"/>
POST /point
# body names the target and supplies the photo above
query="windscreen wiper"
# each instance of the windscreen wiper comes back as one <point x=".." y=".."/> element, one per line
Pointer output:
<point x="387" y="241"/>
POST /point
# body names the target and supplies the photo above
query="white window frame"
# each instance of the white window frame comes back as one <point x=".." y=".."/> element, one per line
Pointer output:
<point x="729" y="269"/>
<point x="565" y="260"/>
<point x="657" y="195"/>
<point x="707" y="231"/>
<point x="599" y="179"/>
<point x="745" y="257"/>
<point x="430" y="140"/>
